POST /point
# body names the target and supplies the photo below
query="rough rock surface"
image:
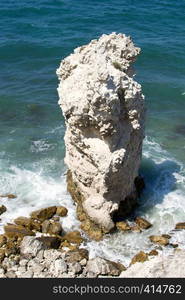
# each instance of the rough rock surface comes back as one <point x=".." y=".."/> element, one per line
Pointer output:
<point x="169" y="266"/>
<point x="104" y="113"/>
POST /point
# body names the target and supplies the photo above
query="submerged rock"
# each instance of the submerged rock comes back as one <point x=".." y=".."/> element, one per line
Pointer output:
<point x="104" y="113"/>
<point x="2" y="209"/>
<point x="160" y="239"/>
<point x="9" y="196"/>
<point x="142" y="223"/>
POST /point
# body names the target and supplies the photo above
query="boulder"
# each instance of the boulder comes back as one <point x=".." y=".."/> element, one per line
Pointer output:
<point x="16" y="231"/>
<point x="123" y="226"/>
<point x="2" y="209"/>
<point x="61" y="211"/>
<point x="142" y="223"/>
<point x="77" y="255"/>
<point x="50" y="242"/>
<point x="73" y="237"/>
<point x="159" y="239"/>
<point x="101" y="266"/>
<point x="44" y="214"/>
<point x="51" y="227"/>
<point x="139" y="257"/>
<point x="103" y="107"/>
<point x="30" y="246"/>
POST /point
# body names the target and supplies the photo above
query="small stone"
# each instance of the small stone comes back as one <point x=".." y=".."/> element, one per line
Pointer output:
<point x="142" y="223"/>
<point x="78" y="255"/>
<point x="136" y="228"/>
<point x="60" y="266"/>
<point x="3" y="240"/>
<point x="12" y="230"/>
<point x="44" y="214"/>
<point x="180" y="225"/>
<point x="11" y="274"/>
<point x="61" y="211"/>
<point x="83" y="262"/>
<point x="73" y="237"/>
<point x="139" y="257"/>
<point x="2" y="209"/>
<point x="9" y="196"/>
<point x="75" y="267"/>
<point x="123" y="226"/>
<point x="174" y="245"/>
<point x="159" y="239"/>
<point x="153" y="252"/>
<point x="50" y="242"/>
<point x="100" y="266"/>
<point x="55" y="228"/>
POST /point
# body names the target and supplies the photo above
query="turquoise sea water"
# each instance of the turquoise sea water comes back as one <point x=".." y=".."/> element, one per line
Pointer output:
<point x="34" y="37"/>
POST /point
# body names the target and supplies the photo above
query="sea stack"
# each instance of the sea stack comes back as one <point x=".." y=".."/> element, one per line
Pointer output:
<point x="104" y="112"/>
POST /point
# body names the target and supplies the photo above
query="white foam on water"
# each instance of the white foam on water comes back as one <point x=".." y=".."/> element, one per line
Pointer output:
<point x="162" y="202"/>
<point x="34" y="191"/>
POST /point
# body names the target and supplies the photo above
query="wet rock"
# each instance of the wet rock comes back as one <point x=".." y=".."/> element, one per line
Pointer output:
<point x="73" y="237"/>
<point x="139" y="257"/>
<point x="100" y="266"/>
<point x="44" y="214"/>
<point x="139" y="184"/>
<point x="51" y="227"/>
<point x="3" y="240"/>
<point x="92" y="230"/>
<point x="77" y="256"/>
<point x="159" y="239"/>
<point x="153" y="252"/>
<point x="12" y="230"/>
<point x="180" y="225"/>
<point x="2" y="209"/>
<point x="68" y="245"/>
<point x="61" y="211"/>
<point x="30" y="246"/>
<point x="142" y="223"/>
<point x="9" y="196"/>
<point x="28" y="223"/>
<point x="174" y="245"/>
<point x="50" y="242"/>
<point x="136" y="228"/>
<point x="2" y="254"/>
<point x="123" y="226"/>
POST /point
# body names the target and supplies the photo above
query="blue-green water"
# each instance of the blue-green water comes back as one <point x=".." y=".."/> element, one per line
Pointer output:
<point x="34" y="37"/>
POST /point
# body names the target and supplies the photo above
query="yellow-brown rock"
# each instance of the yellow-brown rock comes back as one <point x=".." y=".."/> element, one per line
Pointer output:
<point x="139" y="257"/>
<point x="159" y="239"/>
<point x="12" y="230"/>
<point x="44" y="214"/>
<point x="73" y="237"/>
<point x="3" y="240"/>
<point x="123" y="226"/>
<point x="142" y="223"/>
<point x="61" y="211"/>
<point x="180" y="225"/>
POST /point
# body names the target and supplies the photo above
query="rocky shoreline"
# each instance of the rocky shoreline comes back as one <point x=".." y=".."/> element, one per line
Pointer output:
<point x="38" y="247"/>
